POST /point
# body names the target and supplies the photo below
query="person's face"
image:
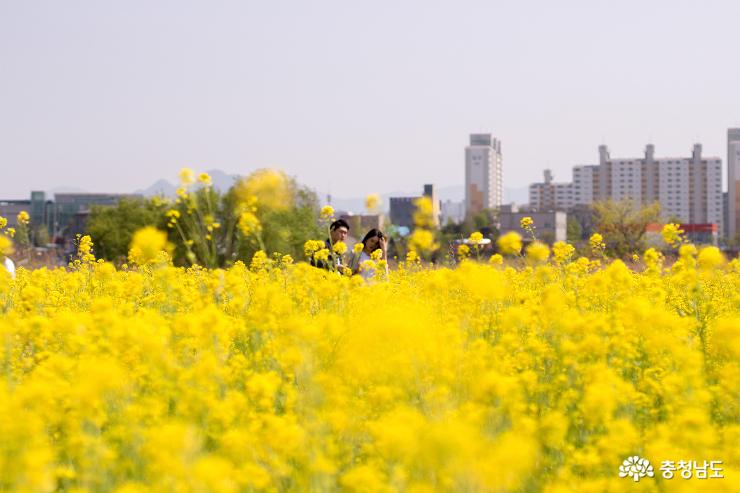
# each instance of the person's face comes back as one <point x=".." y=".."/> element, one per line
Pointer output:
<point x="372" y="244"/>
<point x="339" y="234"/>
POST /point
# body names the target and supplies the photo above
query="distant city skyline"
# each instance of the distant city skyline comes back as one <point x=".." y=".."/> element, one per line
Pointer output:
<point x="354" y="98"/>
<point x="688" y="188"/>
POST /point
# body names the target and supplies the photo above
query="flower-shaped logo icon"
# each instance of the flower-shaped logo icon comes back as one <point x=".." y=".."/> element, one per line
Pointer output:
<point x="636" y="468"/>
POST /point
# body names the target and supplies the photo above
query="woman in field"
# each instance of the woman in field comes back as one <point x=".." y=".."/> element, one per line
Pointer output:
<point x="373" y="241"/>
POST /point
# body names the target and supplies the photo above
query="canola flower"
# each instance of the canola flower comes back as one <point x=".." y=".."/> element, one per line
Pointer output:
<point x="267" y="376"/>
<point x="265" y="188"/>
<point x="147" y="245"/>
<point x="187" y="178"/>
<point x="653" y="260"/>
<point x="562" y="252"/>
<point x="172" y="217"/>
<point x="23" y="218"/>
<point x="84" y="249"/>
<point x="423" y="242"/>
<point x="249" y="223"/>
<point x="312" y="246"/>
<point x="340" y="248"/>
<point x="510" y="243"/>
<point x="496" y="259"/>
<point x="6" y="246"/>
<point x="710" y="257"/>
<point x="424" y="213"/>
<point x="596" y="242"/>
<point x="527" y="224"/>
<point x="327" y="213"/>
<point x="463" y="251"/>
<point x="372" y="203"/>
<point x="538" y="252"/>
<point x="672" y="234"/>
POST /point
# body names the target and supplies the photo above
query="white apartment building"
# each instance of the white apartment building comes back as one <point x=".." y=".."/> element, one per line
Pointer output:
<point x="550" y="195"/>
<point x="687" y="188"/>
<point x="583" y="183"/>
<point x="483" y="174"/>
<point x="733" y="182"/>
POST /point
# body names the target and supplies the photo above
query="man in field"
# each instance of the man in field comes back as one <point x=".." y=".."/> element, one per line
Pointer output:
<point x="338" y="231"/>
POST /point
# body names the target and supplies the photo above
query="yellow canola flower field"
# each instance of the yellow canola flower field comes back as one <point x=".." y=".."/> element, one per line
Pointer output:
<point x="483" y="378"/>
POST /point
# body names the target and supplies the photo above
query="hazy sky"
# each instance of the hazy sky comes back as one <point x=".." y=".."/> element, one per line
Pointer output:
<point x="352" y="96"/>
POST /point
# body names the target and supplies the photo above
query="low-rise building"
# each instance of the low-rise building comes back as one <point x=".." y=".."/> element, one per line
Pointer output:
<point x="359" y="224"/>
<point x="549" y="226"/>
<point x="402" y="208"/>
<point x="698" y="234"/>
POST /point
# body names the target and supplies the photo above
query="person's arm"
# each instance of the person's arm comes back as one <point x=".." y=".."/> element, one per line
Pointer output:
<point x="384" y="248"/>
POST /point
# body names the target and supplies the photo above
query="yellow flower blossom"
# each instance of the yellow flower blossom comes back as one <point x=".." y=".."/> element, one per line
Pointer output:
<point x="327" y="212"/>
<point x="249" y="224"/>
<point x="423" y="241"/>
<point x="23" y="218"/>
<point x="596" y="242"/>
<point x="456" y="376"/>
<point x="496" y="259"/>
<point x="463" y="251"/>
<point x="372" y="202"/>
<point x="146" y="245"/>
<point x="187" y="177"/>
<point x="6" y="246"/>
<point x="266" y="188"/>
<point x="672" y="234"/>
<point x="340" y="247"/>
<point x="562" y="252"/>
<point x="510" y="243"/>
<point x="710" y="257"/>
<point x="538" y="252"/>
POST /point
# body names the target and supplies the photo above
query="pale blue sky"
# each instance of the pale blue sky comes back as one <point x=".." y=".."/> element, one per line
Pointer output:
<point x="354" y="96"/>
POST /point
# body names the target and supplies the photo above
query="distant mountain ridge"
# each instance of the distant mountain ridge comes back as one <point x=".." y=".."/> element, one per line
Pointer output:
<point x="223" y="181"/>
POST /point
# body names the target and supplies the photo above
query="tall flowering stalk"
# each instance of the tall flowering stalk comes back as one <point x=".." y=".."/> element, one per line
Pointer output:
<point x="423" y="240"/>
<point x="194" y="218"/>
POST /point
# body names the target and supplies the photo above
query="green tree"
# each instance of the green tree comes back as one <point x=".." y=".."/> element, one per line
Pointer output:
<point x="266" y="211"/>
<point x="483" y="221"/>
<point x="286" y="230"/>
<point x="574" y="231"/>
<point x="622" y="224"/>
<point x="41" y="236"/>
<point x="112" y="227"/>
<point x="203" y="225"/>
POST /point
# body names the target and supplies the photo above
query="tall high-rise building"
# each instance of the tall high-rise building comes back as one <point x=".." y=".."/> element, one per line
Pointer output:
<point x="483" y="174"/>
<point x="687" y="188"/>
<point x="733" y="182"/>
